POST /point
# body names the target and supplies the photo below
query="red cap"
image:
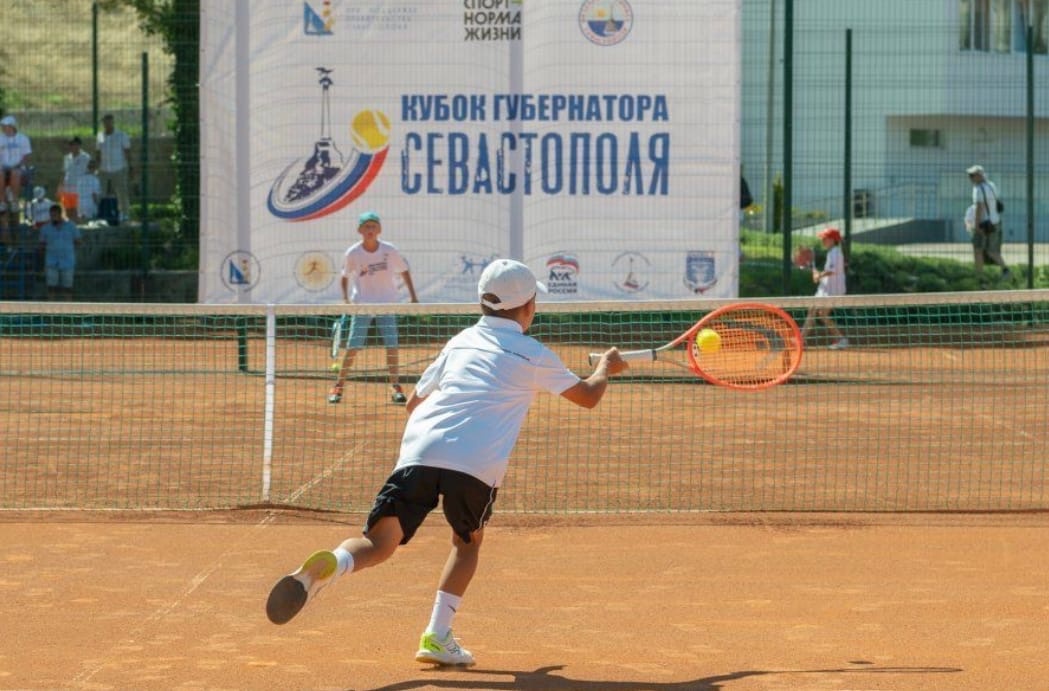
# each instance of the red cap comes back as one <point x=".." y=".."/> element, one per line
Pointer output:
<point x="831" y="233"/>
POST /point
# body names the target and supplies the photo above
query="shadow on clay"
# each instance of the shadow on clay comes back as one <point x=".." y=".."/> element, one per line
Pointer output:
<point x="545" y="679"/>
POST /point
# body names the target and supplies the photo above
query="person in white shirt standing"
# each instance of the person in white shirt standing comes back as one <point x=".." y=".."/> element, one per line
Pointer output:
<point x="114" y="166"/>
<point x="464" y="417"/>
<point x="74" y="165"/>
<point x="987" y="232"/>
<point x="370" y="268"/>
<point x="830" y="282"/>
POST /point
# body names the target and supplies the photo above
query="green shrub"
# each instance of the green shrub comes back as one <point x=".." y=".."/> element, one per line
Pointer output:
<point x="872" y="269"/>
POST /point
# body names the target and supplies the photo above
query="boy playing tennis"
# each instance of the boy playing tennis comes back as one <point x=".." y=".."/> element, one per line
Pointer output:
<point x="371" y="267"/>
<point x="464" y="418"/>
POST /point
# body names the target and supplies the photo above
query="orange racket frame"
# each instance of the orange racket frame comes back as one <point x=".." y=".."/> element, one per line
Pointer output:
<point x="761" y="347"/>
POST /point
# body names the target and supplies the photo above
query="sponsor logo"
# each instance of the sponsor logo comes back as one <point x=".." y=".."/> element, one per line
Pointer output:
<point x="462" y="271"/>
<point x="376" y="16"/>
<point x="631" y="271"/>
<point x="327" y="180"/>
<point x="316" y="23"/>
<point x="314" y="270"/>
<point x="700" y="271"/>
<point x="562" y="271"/>
<point x="240" y="271"/>
<point x="492" y="20"/>
<point x="606" y="22"/>
<point x="474" y="265"/>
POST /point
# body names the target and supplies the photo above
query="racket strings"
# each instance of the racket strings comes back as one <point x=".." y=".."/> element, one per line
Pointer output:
<point x="758" y="349"/>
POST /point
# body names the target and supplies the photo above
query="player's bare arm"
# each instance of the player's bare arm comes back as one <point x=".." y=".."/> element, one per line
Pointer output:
<point x="407" y="276"/>
<point x="589" y="391"/>
<point x="413" y="401"/>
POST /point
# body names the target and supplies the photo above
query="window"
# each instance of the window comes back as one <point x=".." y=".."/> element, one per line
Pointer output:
<point x="1000" y="26"/>
<point x="926" y="139"/>
<point x="1039" y="15"/>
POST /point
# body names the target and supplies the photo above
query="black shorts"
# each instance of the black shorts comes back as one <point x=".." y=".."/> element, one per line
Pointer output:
<point x="411" y="493"/>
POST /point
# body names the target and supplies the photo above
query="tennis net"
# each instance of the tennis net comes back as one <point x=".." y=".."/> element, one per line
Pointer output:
<point x="938" y="404"/>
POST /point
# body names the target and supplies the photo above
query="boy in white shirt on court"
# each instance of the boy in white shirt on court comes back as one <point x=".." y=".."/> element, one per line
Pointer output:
<point x="369" y="276"/>
<point x="464" y="418"/>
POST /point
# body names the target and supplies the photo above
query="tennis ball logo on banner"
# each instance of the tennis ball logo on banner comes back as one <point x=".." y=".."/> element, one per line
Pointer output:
<point x="328" y="179"/>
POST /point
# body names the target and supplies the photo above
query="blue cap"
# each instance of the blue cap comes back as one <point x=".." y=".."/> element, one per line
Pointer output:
<point x="367" y="216"/>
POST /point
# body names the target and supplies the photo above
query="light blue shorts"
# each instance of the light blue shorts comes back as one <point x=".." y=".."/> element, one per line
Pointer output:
<point x="386" y="323"/>
<point x="55" y="278"/>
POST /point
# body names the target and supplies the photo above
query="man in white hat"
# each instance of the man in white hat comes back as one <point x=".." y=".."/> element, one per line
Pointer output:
<point x="15" y="149"/>
<point x="987" y="222"/>
<point x="464" y="418"/>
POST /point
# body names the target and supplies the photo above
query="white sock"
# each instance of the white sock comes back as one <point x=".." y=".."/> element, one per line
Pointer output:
<point x="444" y="607"/>
<point x="345" y="560"/>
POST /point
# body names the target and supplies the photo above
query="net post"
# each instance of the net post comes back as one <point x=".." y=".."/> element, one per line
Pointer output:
<point x="242" y="343"/>
<point x="268" y="414"/>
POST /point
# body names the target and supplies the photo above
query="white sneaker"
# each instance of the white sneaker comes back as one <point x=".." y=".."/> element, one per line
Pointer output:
<point x="443" y="651"/>
<point x="291" y="593"/>
<point x="839" y="344"/>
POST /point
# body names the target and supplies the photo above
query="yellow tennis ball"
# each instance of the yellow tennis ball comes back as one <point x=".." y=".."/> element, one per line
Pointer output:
<point x="709" y="341"/>
<point x="370" y="130"/>
<point x="335" y="367"/>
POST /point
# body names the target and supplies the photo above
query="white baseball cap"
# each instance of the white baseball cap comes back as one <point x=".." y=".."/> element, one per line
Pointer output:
<point x="510" y="281"/>
<point x="9" y="121"/>
<point x="973" y="170"/>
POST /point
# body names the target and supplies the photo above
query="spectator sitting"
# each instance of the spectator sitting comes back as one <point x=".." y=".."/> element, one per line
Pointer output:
<point x="14" y="156"/>
<point x="89" y="192"/>
<point x="38" y="211"/>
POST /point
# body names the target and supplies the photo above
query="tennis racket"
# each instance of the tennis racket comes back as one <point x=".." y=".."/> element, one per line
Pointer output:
<point x="337" y="327"/>
<point x="805" y="258"/>
<point x="761" y="346"/>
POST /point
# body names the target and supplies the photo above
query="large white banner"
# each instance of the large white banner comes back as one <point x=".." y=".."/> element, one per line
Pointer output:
<point x="595" y="140"/>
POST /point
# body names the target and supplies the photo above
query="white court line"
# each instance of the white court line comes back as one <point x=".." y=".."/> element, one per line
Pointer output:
<point x="167" y="608"/>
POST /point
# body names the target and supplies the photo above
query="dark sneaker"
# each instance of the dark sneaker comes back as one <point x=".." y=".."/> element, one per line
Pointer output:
<point x="397" y="395"/>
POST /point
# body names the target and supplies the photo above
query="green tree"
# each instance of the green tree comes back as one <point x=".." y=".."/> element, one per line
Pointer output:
<point x="177" y="22"/>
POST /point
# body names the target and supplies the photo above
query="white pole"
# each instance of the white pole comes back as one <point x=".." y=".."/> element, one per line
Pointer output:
<point x="271" y="385"/>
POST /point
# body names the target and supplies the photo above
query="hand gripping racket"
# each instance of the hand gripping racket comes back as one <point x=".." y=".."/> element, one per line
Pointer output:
<point x="337" y="328"/>
<point x="761" y="346"/>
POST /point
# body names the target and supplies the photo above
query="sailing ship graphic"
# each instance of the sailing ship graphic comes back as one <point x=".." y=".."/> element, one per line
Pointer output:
<point x="327" y="180"/>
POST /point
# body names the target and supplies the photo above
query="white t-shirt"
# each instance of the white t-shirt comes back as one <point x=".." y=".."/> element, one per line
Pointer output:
<point x="88" y="189"/>
<point x="113" y="147"/>
<point x="373" y="275"/>
<point x="987" y="192"/>
<point x="39" y="210"/>
<point x="478" y="392"/>
<point x="13" y="149"/>
<point x="73" y="167"/>
<point x="834" y="284"/>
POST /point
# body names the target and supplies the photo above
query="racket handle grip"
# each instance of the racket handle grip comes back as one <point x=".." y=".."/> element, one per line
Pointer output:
<point x="649" y="354"/>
